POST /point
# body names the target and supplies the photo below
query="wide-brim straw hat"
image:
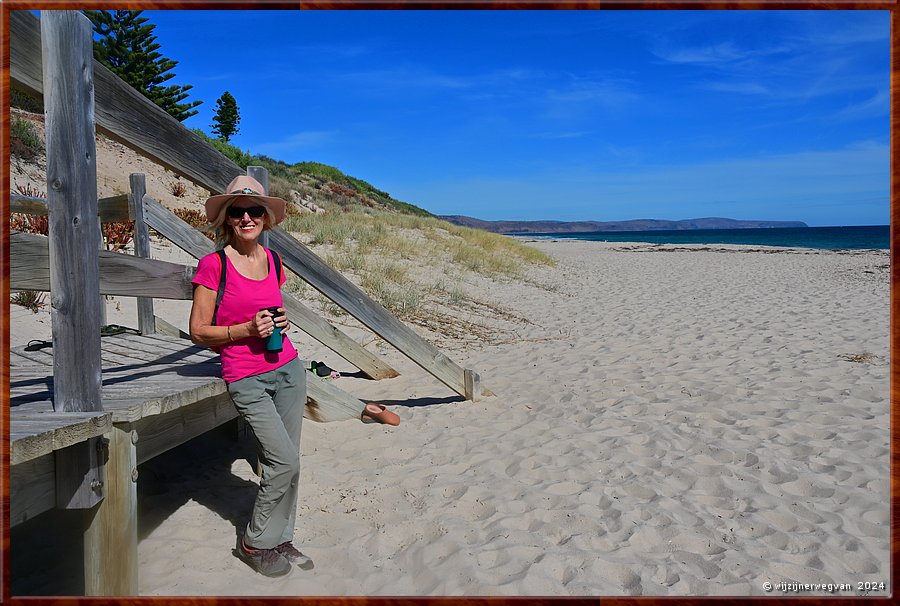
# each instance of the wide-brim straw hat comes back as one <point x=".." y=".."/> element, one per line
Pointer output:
<point x="244" y="187"/>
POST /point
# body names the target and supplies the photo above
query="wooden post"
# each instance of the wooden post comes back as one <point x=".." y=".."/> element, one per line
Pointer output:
<point x="72" y="200"/>
<point x="110" y="536"/>
<point x="102" y="297"/>
<point x="146" y="322"/>
<point x="262" y="175"/>
<point x="473" y="385"/>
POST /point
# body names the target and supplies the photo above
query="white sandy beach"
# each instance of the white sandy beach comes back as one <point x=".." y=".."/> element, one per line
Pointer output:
<point x="670" y="420"/>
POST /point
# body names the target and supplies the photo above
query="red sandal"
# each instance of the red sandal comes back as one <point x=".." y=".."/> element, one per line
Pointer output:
<point x="379" y="413"/>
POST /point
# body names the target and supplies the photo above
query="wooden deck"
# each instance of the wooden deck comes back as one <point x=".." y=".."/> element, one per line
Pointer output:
<point x="142" y="376"/>
<point x="166" y="389"/>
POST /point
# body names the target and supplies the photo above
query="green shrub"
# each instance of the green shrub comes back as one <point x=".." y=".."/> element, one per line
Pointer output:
<point x="321" y="170"/>
<point x="29" y="299"/>
<point x="24" y="140"/>
<point x="23" y="100"/>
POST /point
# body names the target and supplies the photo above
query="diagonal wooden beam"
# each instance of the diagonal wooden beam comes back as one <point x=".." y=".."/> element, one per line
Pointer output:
<point x="358" y="304"/>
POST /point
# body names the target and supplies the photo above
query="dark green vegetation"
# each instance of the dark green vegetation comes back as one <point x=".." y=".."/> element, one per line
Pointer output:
<point x="24" y="140"/>
<point x="127" y="46"/>
<point x="227" y="118"/>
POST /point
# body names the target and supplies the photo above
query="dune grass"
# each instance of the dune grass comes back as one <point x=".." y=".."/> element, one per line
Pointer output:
<point x="376" y="248"/>
<point x="392" y="234"/>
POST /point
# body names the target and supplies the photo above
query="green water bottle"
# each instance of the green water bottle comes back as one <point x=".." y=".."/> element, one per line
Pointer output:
<point x="274" y="341"/>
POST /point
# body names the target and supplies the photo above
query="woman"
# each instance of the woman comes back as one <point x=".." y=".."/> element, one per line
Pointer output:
<point x="268" y="387"/>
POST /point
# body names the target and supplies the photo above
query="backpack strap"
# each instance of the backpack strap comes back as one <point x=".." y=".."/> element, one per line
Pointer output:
<point x="221" y="292"/>
<point x="276" y="258"/>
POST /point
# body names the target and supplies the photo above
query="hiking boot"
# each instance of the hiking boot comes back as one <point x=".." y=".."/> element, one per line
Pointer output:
<point x="268" y="562"/>
<point x="294" y="556"/>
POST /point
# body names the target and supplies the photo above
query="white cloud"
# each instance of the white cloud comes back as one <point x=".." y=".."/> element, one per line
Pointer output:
<point x="717" y="54"/>
<point x="876" y="106"/>
<point x="742" y="88"/>
<point x="294" y="142"/>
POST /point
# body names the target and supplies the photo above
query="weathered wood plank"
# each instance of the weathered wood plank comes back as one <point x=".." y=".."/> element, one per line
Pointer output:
<point x="164" y="353"/>
<point x="180" y="233"/>
<point x="124" y="114"/>
<point x="192" y="242"/>
<point x="170" y="344"/>
<point x="473" y="385"/>
<point x="21" y="357"/>
<point x="325" y="402"/>
<point x="111" y="360"/>
<point x="161" y="403"/>
<point x="178" y="342"/>
<point x="32" y="482"/>
<point x="32" y="488"/>
<point x="147" y="349"/>
<point x="25" y="52"/>
<point x="119" y="274"/>
<point x="110" y="537"/>
<point x="72" y="198"/>
<point x="40" y="434"/>
<point x="160" y="433"/>
<point x="115" y="208"/>
<point x="262" y="175"/>
<point x="32" y="407"/>
<point x="110" y="210"/>
<point x="146" y="322"/>
<point x="358" y="304"/>
<point x="27" y="205"/>
<point x="19" y="374"/>
<point x="164" y="327"/>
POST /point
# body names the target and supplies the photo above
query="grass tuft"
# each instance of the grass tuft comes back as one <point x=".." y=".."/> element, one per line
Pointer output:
<point x="29" y="299"/>
<point x="24" y="140"/>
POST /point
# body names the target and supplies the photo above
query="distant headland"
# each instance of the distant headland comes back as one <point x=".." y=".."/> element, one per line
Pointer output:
<point x="553" y="227"/>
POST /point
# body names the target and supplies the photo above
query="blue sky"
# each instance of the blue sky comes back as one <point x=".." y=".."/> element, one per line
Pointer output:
<point x="568" y="115"/>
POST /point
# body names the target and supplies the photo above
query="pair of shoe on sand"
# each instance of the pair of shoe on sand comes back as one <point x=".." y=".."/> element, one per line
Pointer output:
<point x="274" y="562"/>
<point x="320" y="369"/>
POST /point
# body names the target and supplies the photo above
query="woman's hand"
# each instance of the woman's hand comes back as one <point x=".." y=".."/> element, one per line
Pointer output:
<point x="281" y="320"/>
<point x="264" y="322"/>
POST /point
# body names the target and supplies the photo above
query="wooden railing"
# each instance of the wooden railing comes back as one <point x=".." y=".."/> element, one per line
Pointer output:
<point x="138" y="123"/>
<point x="30" y="271"/>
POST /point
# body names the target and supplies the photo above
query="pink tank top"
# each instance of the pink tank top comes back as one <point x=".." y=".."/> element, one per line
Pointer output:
<point x="242" y="299"/>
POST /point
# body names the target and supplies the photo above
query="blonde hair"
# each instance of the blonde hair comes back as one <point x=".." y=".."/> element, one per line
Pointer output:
<point x="224" y="235"/>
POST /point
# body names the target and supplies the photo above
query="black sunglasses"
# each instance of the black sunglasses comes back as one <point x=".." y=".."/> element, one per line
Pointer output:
<point x="254" y="211"/>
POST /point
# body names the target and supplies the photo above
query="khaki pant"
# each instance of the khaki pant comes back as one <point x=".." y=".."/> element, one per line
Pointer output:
<point x="272" y="404"/>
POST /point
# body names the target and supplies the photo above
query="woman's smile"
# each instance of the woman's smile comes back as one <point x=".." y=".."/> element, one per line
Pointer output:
<point x="247" y="225"/>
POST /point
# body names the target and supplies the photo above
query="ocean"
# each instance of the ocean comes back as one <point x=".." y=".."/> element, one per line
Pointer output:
<point x="853" y="238"/>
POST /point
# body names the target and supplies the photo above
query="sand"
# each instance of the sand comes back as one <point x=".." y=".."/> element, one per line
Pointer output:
<point x="669" y="420"/>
